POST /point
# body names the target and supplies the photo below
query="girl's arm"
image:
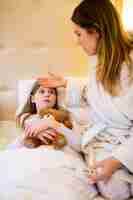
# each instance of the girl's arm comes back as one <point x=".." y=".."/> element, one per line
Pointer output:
<point x="21" y="119"/>
<point x="43" y="124"/>
<point x="34" y="126"/>
<point x="24" y="121"/>
<point x="17" y="143"/>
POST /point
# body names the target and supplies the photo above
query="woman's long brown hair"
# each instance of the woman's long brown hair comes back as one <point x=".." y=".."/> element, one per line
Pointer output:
<point x="114" y="45"/>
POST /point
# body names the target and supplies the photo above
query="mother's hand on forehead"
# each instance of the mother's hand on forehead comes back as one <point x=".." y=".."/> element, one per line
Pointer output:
<point x="52" y="81"/>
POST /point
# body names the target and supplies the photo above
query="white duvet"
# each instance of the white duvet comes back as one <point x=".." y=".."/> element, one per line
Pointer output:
<point x="42" y="174"/>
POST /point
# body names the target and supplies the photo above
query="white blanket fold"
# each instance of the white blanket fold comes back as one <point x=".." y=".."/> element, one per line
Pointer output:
<point x="41" y="174"/>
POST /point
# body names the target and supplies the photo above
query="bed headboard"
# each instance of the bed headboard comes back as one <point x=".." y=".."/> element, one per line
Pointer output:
<point x="8" y="101"/>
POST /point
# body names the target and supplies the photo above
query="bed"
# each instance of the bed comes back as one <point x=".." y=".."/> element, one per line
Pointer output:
<point x="23" y="172"/>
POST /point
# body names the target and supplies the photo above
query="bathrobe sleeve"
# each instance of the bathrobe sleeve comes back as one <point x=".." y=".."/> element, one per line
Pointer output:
<point x="75" y="92"/>
<point x="124" y="153"/>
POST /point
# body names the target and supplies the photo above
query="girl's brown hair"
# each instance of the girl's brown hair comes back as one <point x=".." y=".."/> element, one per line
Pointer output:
<point x="30" y="107"/>
<point x="114" y="44"/>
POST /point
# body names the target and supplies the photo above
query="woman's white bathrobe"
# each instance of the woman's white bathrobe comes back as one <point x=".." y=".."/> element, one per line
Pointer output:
<point x="109" y="120"/>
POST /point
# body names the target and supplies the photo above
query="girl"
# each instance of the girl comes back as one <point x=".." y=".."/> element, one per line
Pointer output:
<point x="43" y="172"/>
<point x="108" y="95"/>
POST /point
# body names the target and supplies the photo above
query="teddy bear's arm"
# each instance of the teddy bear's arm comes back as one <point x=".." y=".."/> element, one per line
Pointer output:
<point x="73" y="139"/>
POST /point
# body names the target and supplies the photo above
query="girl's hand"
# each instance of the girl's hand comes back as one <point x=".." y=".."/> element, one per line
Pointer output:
<point x="32" y="130"/>
<point x="52" y="81"/>
<point x="104" y="170"/>
<point x="46" y="135"/>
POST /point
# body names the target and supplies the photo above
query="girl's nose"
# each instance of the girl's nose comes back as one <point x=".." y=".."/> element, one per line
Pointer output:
<point x="47" y="94"/>
<point x="78" y="42"/>
<point x="76" y="39"/>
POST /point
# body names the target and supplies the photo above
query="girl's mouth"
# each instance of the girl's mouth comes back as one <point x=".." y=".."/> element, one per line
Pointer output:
<point x="46" y="100"/>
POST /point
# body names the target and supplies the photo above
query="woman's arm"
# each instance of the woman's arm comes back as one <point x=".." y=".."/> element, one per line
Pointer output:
<point x="124" y="154"/>
<point x="74" y="88"/>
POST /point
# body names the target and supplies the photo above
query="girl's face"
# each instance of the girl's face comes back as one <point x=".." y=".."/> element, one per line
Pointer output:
<point x="88" y="40"/>
<point x="44" y="98"/>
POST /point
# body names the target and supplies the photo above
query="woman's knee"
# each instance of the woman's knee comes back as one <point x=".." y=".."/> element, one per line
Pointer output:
<point x="132" y="189"/>
<point x="92" y="191"/>
<point x="115" y="188"/>
<point x="114" y="191"/>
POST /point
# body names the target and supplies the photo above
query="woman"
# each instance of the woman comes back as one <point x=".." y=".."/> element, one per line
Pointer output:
<point x="108" y="95"/>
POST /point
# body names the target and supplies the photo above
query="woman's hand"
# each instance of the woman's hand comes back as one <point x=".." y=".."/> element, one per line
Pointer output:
<point x="104" y="170"/>
<point x="52" y="81"/>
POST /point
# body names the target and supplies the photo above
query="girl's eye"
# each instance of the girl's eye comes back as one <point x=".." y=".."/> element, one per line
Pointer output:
<point x="51" y="91"/>
<point x="78" y="34"/>
<point x="41" y="91"/>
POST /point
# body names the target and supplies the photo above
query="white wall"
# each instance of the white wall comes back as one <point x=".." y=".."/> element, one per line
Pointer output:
<point x="27" y="25"/>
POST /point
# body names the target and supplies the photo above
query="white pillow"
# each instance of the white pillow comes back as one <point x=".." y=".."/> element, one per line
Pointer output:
<point x="23" y="90"/>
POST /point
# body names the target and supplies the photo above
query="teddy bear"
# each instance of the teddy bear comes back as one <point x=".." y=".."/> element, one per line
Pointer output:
<point x="59" y="115"/>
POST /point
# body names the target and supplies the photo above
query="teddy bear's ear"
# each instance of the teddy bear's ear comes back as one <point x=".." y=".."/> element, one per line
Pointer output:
<point x="64" y="114"/>
<point x="68" y="124"/>
<point x="43" y="112"/>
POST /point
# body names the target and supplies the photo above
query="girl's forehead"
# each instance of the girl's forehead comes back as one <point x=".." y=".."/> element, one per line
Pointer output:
<point x="76" y="27"/>
<point x="46" y="88"/>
